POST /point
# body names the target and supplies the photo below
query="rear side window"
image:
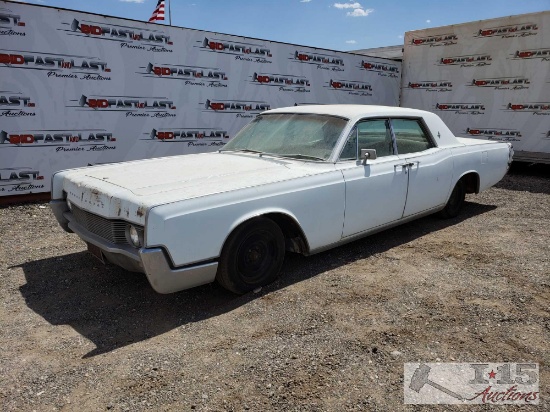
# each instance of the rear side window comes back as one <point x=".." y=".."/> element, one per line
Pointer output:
<point x="410" y="136"/>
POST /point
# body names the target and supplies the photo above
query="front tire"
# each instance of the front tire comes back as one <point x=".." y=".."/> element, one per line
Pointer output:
<point x="252" y="256"/>
<point x="455" y="202"/>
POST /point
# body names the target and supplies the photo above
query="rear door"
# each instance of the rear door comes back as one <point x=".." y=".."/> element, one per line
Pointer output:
<point x="430" y="169"/>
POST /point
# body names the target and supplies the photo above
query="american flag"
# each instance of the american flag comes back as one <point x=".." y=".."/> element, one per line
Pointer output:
<point x="158" y="14"/>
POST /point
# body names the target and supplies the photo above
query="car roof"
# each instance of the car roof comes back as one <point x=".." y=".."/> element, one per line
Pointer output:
<point x="350" y="111"/>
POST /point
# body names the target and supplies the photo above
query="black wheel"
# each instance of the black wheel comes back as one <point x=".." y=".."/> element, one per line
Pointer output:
<point x="455" y="202"/>
<point x="252" y="256"/>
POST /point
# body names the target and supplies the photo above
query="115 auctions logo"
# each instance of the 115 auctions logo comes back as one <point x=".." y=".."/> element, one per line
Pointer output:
<point x="506" y="135"/>
<point x="20" y="179"/>
<point x="352" y="87"/>
<point x="435" y="41"/>
<point x="10" y="24"/>
<point x="191" y="136"/>
<point x="382" y="69"/>
<point x="241" y="108"/>
<point x="191" y="75"/>
<point x="13" y="104"/>
<point x="472" y="60"/>
<point x="514" y="30"/>
<point x="502" y="83"/>
<point x="56" y="65"/>
<point x="133" y="106"/>
<point x="322" y="61"/>
<point x="62" y="140"/>
<point x="129" y="37"/>
<point x="242" y="51"/>
<point x="285" y="82"/>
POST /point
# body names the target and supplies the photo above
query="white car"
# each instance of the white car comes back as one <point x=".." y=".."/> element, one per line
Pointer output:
<point x="300" y="179"/>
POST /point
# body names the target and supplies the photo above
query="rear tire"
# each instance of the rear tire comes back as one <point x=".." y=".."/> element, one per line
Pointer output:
<point x="252" y="256"/>
<point x="455" y="202"/>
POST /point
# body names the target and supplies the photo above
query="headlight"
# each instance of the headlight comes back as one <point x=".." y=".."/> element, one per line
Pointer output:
<point x="69" y="205"/>
<point x="133" y="236"/>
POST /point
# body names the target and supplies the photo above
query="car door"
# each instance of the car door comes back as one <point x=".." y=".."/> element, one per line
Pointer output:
<point x="375" y="191"/>
<point x="430" y="169"/>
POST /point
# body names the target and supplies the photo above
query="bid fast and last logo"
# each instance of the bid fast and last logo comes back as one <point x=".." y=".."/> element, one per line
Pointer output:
<point x="240" y="108"/>
<point x="321" y="61"/>
<point x="431" y="85"/>
<point x="56" y="65"/>
<point x="241" y="51"/>
<point x="16" y="104"/>
<point x="189" y="136"/>
<point x="132" y="106"/>
<point x="90" y="140"/>
<point x="381" y="69"/>
<point x="469" y="60"/>
<point x="501" y="83"/>
<point x="129" y="38"/>
<point x="11" y="24"/>
<point x="283" y="82"/>
<point x="460" y="108"/>
<point x="509" y="31"/>
<point x="20" y="179"/>
<point x="447" y="39"/>
<point x="190" y="75"/>
<point x="351" y="87"/>
<point x="490" y="133"/>
<point x="534" y="108"/>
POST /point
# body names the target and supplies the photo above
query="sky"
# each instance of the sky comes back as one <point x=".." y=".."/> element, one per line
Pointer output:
<point x="329" y="24"/>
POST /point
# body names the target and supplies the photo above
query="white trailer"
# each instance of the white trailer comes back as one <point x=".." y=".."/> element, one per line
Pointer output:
<point x="78" y="89"/>
<point x="487" y="79"/>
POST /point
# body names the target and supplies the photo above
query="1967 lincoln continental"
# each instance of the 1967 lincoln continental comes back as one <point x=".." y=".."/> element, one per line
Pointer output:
<point x="300" y="179"/>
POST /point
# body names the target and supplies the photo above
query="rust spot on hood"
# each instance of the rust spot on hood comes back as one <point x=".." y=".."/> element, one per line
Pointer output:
<point x="141" y="211"/>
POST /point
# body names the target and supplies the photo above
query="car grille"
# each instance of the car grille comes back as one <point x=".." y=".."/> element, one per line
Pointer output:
<point x="112" y="230"/>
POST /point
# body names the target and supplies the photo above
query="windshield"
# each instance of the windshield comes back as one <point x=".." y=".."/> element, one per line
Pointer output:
<point x="303" y="136"/>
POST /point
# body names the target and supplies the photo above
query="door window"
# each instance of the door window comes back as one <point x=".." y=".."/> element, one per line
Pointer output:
<point x="371" y="134"/>
<point x="410" y="136"/>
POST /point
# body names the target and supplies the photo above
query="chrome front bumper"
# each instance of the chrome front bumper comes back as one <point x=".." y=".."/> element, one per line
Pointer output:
<point x="151" y="261"/>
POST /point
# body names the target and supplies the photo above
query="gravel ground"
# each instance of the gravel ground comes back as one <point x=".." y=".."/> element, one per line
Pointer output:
<point x="331" y="335"/>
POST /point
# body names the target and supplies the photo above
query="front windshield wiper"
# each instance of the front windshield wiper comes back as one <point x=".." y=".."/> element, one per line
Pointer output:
<point x="241" y="150"/>
<point x="300" y="156"/>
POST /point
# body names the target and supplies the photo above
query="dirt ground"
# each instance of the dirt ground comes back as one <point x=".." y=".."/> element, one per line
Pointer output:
<point x="331" y="335"/>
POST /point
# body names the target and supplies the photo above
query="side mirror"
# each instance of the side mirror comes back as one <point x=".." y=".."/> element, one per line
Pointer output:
<point x="368" y="154"/>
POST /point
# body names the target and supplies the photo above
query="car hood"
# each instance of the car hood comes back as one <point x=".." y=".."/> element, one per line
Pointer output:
<point x="128" y="189"/>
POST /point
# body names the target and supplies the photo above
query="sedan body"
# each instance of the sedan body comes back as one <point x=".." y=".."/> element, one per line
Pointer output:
<point x="301" y="179"/>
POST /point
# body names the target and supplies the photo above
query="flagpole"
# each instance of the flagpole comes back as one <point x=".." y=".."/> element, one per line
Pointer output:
<point x="170" y="12"/>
